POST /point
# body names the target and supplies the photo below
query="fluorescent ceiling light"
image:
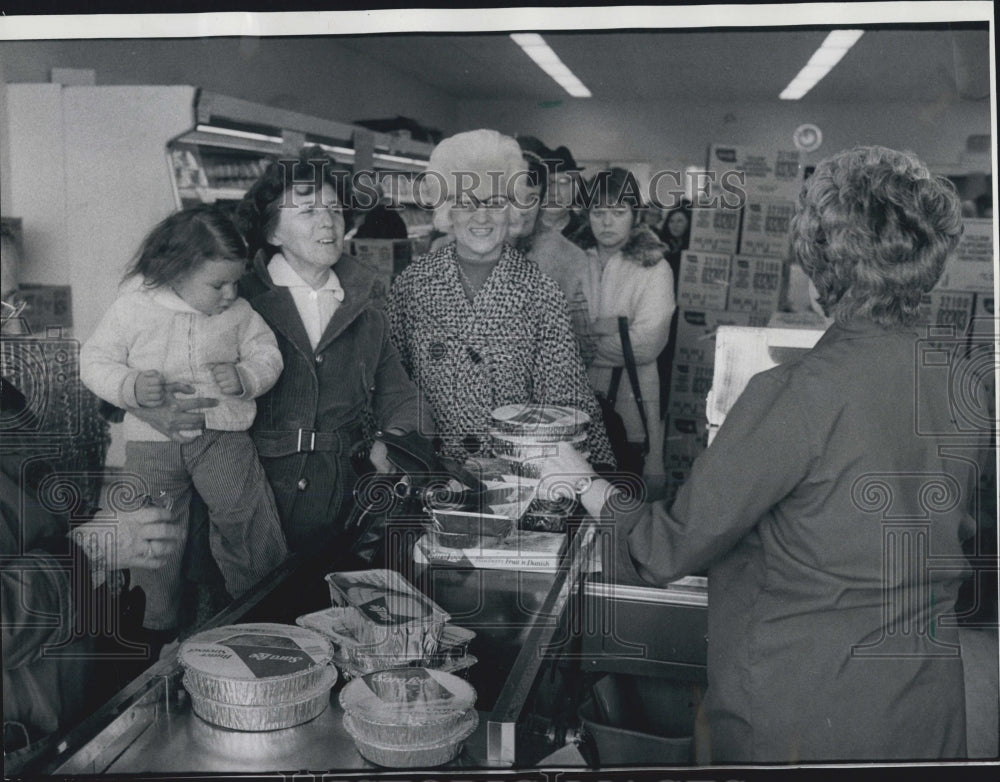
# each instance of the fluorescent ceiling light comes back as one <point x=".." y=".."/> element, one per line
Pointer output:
<point x="830" y="52"/>
<point x="546" y="59"/>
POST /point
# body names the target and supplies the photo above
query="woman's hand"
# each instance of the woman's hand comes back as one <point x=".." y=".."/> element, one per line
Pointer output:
<point x="179" y="419"/>
<point x="379" y="457"/>
<point x="141" y="538"/>
<point x="379" y="454"/>
<point x="561" y="471"/>
<point x="566" y="472"/>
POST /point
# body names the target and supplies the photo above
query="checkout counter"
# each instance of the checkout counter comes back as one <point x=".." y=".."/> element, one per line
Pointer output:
<point x="539" y="638"/>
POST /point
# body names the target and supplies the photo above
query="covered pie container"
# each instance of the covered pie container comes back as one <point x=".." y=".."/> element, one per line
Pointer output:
<point x="355" y="659"/>
<point x="386" y="611"/>
<point x="258" y="664"/>
<point x="522" y="448"/>
<point x="544" y="423"/>
<point x="461" y="529"/>
<point x="306" y="705"/>
<point x="405" y="707"/>
<point x="413" y="755"/>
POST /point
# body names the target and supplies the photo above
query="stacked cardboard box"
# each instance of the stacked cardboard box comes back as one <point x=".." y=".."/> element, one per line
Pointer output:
<point x="767" y="226"/>
<point x="960" y="305"/>
<point x="774" y="174"/>
<point x="731" y="275"/>
<point x="960" y="320"/>
<point x="960" y="316"/>
<point x="755" y="285"/>
<point x="703" y="280"/>
<point x="694" y="358"/>
<point x="715" y="230"/>
<point x="970" y="267"/>
<point x="388" y="257"/>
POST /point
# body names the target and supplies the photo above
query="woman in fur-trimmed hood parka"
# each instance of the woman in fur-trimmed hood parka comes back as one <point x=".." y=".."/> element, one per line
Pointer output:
<point x="628" y="276"/>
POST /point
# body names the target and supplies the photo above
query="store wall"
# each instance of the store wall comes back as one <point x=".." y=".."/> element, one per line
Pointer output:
<point x="324" y="78"/>
<point x="89" y="179"/>
<point x="670" y="134"/>
<point x="4" y="145"/>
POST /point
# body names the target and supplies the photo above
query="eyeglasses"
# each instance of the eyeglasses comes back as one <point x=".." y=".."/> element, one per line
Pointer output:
<point x="469" y="203"/>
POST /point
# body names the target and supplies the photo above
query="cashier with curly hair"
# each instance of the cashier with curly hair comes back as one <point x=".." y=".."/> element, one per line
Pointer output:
<point x="817" y="651"/>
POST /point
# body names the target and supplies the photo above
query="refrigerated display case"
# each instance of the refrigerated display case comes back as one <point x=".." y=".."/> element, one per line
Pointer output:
<point x="517" y="617"/>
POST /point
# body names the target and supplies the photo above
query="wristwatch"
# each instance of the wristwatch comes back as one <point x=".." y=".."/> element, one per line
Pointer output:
<point x="582" y="484"/>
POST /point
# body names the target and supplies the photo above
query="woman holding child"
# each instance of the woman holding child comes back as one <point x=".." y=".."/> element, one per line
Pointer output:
<point x="339" y="362"/>
<point x="339" y="365"/>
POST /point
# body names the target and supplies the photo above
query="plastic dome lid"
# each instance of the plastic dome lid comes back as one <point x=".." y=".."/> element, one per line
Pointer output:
<point x="407" y="696"/>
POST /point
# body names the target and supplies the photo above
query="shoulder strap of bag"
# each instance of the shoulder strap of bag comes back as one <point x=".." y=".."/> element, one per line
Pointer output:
<point x="616" y="379"/>
<point x="633" y="377"/>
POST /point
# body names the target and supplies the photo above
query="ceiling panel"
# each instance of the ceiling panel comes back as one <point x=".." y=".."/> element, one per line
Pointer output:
<point x="885" y="65"/>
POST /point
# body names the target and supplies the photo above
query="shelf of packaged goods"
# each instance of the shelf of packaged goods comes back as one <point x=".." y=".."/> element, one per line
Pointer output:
<point x="209" y="195"/>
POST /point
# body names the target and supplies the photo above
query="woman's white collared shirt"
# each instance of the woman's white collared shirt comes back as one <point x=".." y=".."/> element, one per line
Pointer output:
<point x="315" y="306"/>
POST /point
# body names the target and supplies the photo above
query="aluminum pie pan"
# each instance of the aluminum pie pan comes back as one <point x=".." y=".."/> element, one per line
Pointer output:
<point x="405" y="697"/>
<point x="255" y="663"/>
<point x="513" y="448"/>
<point x="407" y="735"/>
<point x="357" y="659"/>
<point x="267" y="717"/>
<point x="386" y="609"/>
<point x="540" y="420"/>
<point x="414" y="756"/>
<point x="458" y="666"/>
<point x="246" y="745"/>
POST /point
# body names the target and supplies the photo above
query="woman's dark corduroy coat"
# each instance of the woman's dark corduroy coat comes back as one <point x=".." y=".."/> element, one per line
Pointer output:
<point x="353" y="369"/>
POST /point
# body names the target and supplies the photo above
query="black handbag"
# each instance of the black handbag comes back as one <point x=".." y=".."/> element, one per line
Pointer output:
<point x="631" y="456"/>
<point x="399" y="500"/>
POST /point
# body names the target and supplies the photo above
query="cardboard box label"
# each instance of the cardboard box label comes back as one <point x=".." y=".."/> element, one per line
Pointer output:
<point x="695" y="342"/>
<point x="686" y="438"/>
<point x="692" y="406"/>
<point x="946" y="316"/>
<point x="767" y="228"/>
<point x="704" y="280"/>
<point x="984" y="319"/>
<point x="691" y="379"/>
<point x="970" y="267"/>
<point x="947" y="308"/>
<point x="768" y="173"/>
<point x="714" y="230"/>
<point x="755" y="285"/>
<point x="388" y="257"/>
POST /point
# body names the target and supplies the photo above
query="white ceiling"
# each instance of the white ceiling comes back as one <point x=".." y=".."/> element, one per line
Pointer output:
<point x="885" y="65"/>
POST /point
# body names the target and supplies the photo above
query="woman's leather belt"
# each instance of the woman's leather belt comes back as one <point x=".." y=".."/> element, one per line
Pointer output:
<point x="287" y="442"/>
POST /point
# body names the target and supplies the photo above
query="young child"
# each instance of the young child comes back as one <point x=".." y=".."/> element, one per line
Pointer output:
<point x="185" y="324"/>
